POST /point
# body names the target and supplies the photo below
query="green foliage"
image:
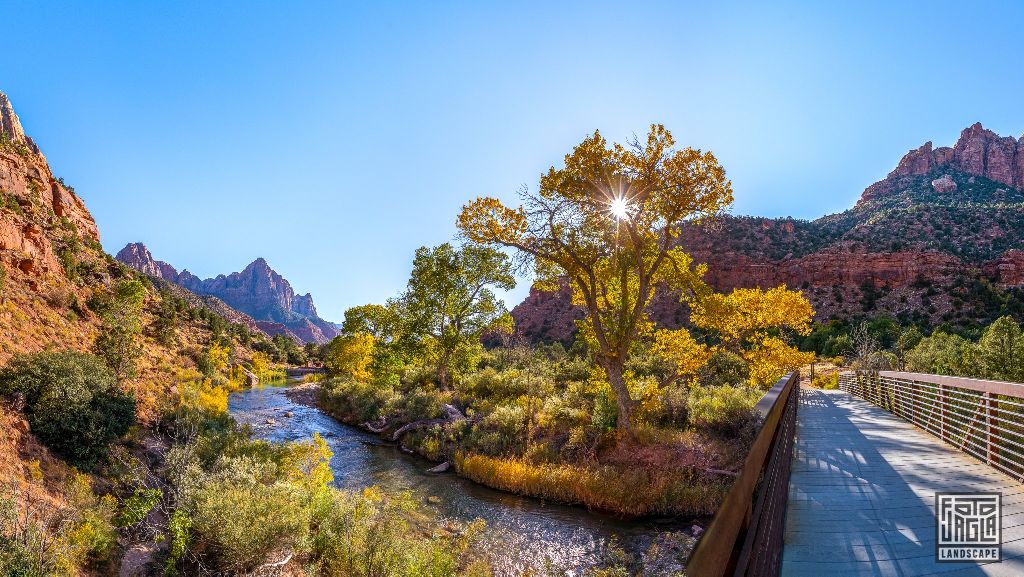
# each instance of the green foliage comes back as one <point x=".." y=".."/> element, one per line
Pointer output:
<point x="179" y="530"/>
<point x="943" y="354"/>
<point x="37" y="539"/>
<point x="1001" y="351"/>
<point x="449" y="304"/>
<point x="368" y="535"/>
<point x="724" y="368"/>
<point x="239" y="522"/>
<point x="72" y="401"/>
<point x="725" y="409"/>
<point x="165" y="325"/>
<point x="10" y="202"/>
<point x="118" y="344"/>
<point x="67" y="254"/>
<point x="135" y="508"/>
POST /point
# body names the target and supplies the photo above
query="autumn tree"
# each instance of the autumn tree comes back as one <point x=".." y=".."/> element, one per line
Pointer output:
<point x="748" y="322"/>
<point x="449" y="303"/>
<point x="351" y="356"/>
<point x="609" y="222"/>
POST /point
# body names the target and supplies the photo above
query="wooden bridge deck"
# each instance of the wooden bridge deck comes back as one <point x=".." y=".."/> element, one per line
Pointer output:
<point x="862" y="493"/>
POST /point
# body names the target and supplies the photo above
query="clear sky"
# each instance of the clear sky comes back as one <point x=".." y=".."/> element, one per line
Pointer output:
<point x="334" y="139"/>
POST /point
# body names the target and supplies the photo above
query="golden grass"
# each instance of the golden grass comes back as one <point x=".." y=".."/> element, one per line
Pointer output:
<point x="626" y="491"/>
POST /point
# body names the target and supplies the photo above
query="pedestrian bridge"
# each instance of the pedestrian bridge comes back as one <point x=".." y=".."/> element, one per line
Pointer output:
<point x="846" y="484"/>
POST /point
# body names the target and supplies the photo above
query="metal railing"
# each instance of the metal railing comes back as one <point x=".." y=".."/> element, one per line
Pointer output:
<point x="745" y="535"/>
<point x="982" y="418"/>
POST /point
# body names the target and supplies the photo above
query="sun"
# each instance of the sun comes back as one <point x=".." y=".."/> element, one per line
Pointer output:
<point x="619" y="208"/>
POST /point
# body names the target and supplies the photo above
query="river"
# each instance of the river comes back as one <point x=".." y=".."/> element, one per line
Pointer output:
<point x="522" y="533"/>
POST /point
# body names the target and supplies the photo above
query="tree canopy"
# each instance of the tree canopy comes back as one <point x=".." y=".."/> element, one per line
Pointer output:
<point x="449" y="303"/>
<point x="610" y="222"/>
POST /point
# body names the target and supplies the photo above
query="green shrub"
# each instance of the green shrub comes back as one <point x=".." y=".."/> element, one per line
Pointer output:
<point x="72" y="402"/>
<point x="369" y="534"/>
<point x="501" y="432"/>
<point x="725" y="409"/>
<point x="240" y="524"/>
<point x="354" y="399"/>
<point x="724" y="368"/>
<point x="118" y="344"/>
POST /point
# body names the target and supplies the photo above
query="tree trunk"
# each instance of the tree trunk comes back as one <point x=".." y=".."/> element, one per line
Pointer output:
<point x="614" y="370"/>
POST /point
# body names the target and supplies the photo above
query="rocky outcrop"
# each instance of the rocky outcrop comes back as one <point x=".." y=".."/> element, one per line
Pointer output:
<point x="1008" y="269"/>
<point x="257" y="291"/>
<point x="303" y="305"/>
<point x="39" y="212"/>
<point x="839" y="265"/>
<point x="943" y="184"/>
<point x="978" y="152"/>
<point x="137" y="256"/>
<point x="547" y="316"/>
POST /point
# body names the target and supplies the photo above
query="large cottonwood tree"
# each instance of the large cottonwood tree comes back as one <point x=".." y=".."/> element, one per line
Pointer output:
<point x="609" y="221"/>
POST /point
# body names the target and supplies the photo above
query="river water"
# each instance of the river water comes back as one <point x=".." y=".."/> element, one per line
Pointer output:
<point x="522" y="533"/>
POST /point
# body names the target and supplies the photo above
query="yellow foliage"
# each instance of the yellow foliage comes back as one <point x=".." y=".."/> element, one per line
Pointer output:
<point x="218" y="356"/>
<point x="260" y="364"/>
<point x="771" y="358"/>
<point x="203" y="396"/>
<point x="679" y="348"/>
<point x="310" y="462"/>
<point x="744" y="313"/>
<point x="351" y="356"/>
<point x="634" y="491"/>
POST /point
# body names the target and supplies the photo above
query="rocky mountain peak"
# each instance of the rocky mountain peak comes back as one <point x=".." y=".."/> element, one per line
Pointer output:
<point x="257" y="290"/>
<point x="10" y="125"/>
<point x="978" y="152"/>
<point x="137" y="256"/>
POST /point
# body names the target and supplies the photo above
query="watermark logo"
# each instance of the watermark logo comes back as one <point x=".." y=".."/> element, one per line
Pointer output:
<point x="969" y="527"/>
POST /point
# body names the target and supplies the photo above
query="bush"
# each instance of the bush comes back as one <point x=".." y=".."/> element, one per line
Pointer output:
<point x="357" y="400"/>
<point x="725" y="410"/>
<point x="72" y="402"/>
<point x="724" y="368"/>
<point x="241" y="523"/>
<point x="828" y="382"/>
<point x="369" y="534"/>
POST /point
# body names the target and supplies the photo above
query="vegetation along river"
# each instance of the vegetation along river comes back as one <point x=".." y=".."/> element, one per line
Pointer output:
<point x="522" y="533"/>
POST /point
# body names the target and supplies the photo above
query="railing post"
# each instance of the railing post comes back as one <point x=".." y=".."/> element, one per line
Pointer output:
<point x="990" y="421"/>
<point x="942" y="413"/>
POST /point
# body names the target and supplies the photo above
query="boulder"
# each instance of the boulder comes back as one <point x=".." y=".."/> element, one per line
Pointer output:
<point x="442" y="468"/>
<point x="944" y="184"/>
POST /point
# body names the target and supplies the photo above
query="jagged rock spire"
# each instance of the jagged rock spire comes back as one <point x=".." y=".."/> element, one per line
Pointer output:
<point x="10" y="125"/>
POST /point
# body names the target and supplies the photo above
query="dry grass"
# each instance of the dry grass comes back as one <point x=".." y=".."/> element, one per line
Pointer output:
<point x="625" y="491"/>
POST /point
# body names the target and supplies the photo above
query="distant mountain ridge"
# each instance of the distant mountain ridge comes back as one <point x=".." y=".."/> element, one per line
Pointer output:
<point x="939" y="240"/>
<point x="257" y="291"/>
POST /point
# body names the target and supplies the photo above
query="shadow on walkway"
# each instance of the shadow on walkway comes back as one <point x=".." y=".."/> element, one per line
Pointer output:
<point x="862" y="495"/>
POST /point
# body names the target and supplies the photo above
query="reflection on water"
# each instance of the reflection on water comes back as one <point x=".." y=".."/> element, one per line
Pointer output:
<point x="522" y="532"/>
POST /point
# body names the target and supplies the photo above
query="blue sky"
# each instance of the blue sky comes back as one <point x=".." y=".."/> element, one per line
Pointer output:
<point x="334" y="139"/>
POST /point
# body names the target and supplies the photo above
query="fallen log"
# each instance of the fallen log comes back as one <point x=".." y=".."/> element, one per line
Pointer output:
<point x="452" y="415"/>
<point x="374" y="428"/>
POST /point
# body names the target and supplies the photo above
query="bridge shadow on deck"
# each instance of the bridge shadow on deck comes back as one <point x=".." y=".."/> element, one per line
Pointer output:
<point x="862" y="492"/>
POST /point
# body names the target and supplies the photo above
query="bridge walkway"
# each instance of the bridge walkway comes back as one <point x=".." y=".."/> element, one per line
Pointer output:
<point x="862" y="492"/>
